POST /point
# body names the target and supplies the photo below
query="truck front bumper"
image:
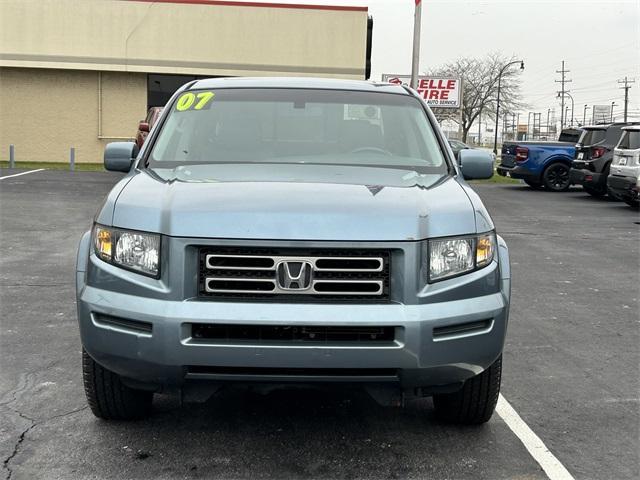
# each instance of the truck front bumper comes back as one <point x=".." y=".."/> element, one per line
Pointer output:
<point x="150" y="341"/>
<point x="166" y="354"/>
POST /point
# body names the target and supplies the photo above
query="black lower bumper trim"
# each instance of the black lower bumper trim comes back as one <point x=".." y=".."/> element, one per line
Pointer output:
<point x="578" y="176"/>
<point x="302" y="372"/>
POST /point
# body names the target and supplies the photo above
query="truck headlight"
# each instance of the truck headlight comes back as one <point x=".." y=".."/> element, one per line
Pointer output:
<point x="450" y="257"/>
<point x="136" y="251"/>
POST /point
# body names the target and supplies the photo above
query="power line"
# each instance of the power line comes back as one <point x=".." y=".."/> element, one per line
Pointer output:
<point x="562" y="92"/>
<point x="626" y="94"/>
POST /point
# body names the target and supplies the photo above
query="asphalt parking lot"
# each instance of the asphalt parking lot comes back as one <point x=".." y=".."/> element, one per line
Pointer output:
<point x="571" y="363"/>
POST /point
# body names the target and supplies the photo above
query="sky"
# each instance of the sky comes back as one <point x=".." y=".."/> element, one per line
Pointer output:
<point x="599" y="41"/>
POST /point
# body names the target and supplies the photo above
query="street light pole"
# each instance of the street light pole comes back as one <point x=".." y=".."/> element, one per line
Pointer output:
<point x="495" y="137"/>
<point x="415" y="61"/>
<point x="572" y="105"/>
<point x="612" y="104"/>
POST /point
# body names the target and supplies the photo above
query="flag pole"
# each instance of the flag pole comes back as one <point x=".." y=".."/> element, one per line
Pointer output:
<point x="416" y="45"/>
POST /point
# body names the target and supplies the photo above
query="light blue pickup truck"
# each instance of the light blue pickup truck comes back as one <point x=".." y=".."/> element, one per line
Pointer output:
<point x="277" y="231"/>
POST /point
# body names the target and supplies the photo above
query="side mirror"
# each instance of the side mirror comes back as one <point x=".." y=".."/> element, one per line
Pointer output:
<point x="476" y="164"/>
<point x="119" y="156"/>
<point x="143" y="127"/>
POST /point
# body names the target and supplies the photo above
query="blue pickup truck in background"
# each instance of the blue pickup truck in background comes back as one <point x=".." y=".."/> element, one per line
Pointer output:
<point x="541" y="164"/>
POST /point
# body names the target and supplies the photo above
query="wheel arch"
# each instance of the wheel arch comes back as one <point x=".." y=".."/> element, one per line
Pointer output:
<point x="556" y="159"/>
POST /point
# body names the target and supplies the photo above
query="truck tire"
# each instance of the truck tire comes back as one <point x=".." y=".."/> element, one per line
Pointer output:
<point x="475" y="402"/>
<point x="614" y="196"/>
<point x="108" y="397"/>
<point x="555" y="177"/>
<point x="595" y="192"/>
<point x="632" y="203"/>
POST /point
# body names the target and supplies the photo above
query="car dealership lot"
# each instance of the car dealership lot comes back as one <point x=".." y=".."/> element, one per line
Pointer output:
<point x="570" y="363"/>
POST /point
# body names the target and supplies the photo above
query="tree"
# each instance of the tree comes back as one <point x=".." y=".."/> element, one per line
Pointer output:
<point x="480" y="83"/>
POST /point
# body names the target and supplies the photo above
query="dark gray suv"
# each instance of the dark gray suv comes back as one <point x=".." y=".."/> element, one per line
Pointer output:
<point x="594" y="152"/>
<point x="293" y="231"/>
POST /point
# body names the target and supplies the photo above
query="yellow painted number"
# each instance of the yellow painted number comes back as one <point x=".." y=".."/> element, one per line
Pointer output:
<point x="187" y="101"/>
<point x="204" y="98"/>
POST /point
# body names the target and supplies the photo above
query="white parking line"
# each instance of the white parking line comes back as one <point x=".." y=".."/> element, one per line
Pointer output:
<point x="538" y="450"/>
<point x="22" y="173"/>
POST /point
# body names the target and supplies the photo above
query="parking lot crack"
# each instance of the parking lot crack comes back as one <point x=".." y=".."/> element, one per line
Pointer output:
<point x="66" y="414"/>
<point x="26" y="382"/>
<point x="16" y="448"/>
<point x="21" y="438"/>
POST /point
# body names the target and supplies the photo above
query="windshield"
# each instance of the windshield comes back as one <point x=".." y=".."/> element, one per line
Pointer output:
<point x="298" y="126"/>
<point x="591" y="137"/>
<point x="630" y="140"/>
<point x="572" y="136"/>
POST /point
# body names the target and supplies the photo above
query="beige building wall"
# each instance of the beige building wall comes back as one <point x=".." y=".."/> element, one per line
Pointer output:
<point x="205" y="38"/>
<point x="45" y="112"/>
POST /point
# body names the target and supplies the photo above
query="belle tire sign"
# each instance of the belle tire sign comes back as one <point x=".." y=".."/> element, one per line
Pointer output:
<point x="438" y="92"/>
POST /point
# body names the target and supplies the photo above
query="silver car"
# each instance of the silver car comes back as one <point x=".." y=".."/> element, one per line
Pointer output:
<point x="293" y="231"/>
<point x="624" y="175"/>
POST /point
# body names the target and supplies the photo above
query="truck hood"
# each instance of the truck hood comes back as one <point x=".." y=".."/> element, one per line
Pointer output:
<point x="296" y="202"/>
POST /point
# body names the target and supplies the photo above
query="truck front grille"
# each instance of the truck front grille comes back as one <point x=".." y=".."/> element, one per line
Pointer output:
<point x="294" y="274"/>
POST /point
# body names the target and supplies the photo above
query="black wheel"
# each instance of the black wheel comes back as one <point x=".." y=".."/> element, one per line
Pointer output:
<point x="614" y="196"/>
<point x="632" y="203"/>
<point x="595" y="191"/>
<point x="556" y="177"/>
<point x="533" y="184"/>
<point x="108" y="397"/>
<point x="475" y="402"/>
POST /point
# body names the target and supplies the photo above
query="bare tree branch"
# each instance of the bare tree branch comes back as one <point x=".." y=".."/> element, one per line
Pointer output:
<point x="480" y="83"/>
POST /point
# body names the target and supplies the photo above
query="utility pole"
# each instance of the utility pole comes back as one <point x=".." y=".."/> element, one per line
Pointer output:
<point x="562" y="92"/>
<point x="415" y="62"/>
<point x="626" y="94"/>
<point x="479" y="127"/>
<point x="548" y="114"/>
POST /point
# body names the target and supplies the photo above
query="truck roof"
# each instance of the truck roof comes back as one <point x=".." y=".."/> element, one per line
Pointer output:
<point x="299" y="82"/>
